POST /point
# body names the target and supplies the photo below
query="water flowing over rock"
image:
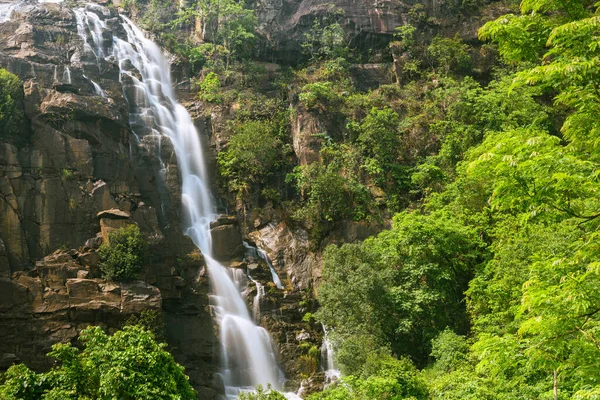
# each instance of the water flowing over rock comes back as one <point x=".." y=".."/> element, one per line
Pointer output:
<point x="247" y="352"/>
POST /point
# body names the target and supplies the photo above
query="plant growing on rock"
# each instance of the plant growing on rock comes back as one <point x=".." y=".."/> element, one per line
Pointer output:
<point x="209" y="89"/>
<point x="11" y="94"/>
<point x="123" y="256"/>
<point x="254" y="153"/>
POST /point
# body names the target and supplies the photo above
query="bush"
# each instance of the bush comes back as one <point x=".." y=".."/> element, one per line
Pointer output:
<point x="209" y="89"/>
<point x="151" y="320"/>
<point x="11" y="94"/>
<point x="262" y="394"/>
<point x="253" y="154"/>
<point x="123" y="257"/>
<point x="319" y="96"/>
<point x="449" y="350"/>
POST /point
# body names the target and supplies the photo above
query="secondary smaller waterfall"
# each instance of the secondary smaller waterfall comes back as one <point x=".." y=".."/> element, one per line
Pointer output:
<point x="6" y="10"/>
<point x="260" y="293"/>
<point x="259" y="253"/>
<point x="327" y="360"/>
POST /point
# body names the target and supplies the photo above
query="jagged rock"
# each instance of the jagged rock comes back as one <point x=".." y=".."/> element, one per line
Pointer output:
<point x="370" y="76"/>
<point x="76" y="157"/>
<point x="371" y="24"/>
<point x="289" y="251"/>
<point x="138" y="296"/>
<point x="114" y="213"/>
<point x="224" y="219"/>
<point x="94" y="242"/>
<point x="305" y="140"/>
<point x="4" y="266"/>
<point x="8" y="359"/>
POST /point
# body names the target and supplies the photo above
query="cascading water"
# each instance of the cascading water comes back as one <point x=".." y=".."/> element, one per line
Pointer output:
<point x="260" y="253"/>
<point x="7" y="9"/>
<point x="327" y="360"/>
<point x="247" y="351"/>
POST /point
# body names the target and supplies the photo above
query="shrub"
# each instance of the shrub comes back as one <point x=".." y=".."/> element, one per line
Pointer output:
<point x="262" y="394"/>
<point x="254" y="153"/>
<point x="11" y="94"/>
<point x="123" y="257"/>
<point x="151" y="320"/>
<point x="319" y="96"/>
<point x="209" y="89"/>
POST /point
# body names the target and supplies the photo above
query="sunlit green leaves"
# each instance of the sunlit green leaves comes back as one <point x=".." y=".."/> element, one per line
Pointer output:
<point x="129" y="365"/>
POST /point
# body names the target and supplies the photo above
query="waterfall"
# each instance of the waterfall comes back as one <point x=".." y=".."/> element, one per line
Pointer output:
<point x="260" y="253"/>
<point x="260" y="293"/>
<point x="67" y="75"/>
<point x="247" y="351"/>
<point x="327" y="360"/>
<point x="7" y="9"/>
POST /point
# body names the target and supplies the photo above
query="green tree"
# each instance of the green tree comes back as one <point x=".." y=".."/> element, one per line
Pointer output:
<point x="326" y="39"/>
<point x="389" y="379"/>
<point x="379" y="142"/>
<point x="209" y="88"/>
<point x="448" y="54"/>
<point x="224" y="23"/>
<point x="128" y="365"/>
<point x="400" y="288"/>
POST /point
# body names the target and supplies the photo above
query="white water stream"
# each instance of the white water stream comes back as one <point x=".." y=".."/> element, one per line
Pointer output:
<point x="260" y="253"/>
<point x="247" y="352"/>
<point x="332" y="374"/>
<point x="6" y="10"/>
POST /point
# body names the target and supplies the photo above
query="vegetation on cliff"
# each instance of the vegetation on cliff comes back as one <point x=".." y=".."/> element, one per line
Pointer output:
<point x="130" y="364"/>
<point x="484" y="157"/>
<point x="518" y="177"/>
<point x="123" y="256"/>
<point x="11" y="96"/>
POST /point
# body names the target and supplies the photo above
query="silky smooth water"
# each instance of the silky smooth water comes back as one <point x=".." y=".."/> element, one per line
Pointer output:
<point x="248" y="357"/>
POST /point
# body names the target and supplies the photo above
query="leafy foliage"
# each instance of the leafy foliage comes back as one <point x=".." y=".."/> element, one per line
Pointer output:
<point x="209" y="88"/>
<point x="419" y="269"/>
<point x="128" y="365"/>
<point x="262" y="394"/>
<point x="388" y="378"/>
<point x="11" y="111"/>
<point x="122" y="258"/>
<point x="253" y="154"/>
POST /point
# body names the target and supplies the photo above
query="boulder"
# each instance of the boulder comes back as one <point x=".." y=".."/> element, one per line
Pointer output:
<point x="111" y="220"/>
<point x="227" y="242"/>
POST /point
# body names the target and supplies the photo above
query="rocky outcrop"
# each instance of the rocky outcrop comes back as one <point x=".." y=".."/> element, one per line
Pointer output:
<point x="61" y="296"/>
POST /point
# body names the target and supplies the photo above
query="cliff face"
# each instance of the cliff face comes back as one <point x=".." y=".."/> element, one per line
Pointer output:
<point x="73" y="173"/>
<point x="370" y="25"/>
